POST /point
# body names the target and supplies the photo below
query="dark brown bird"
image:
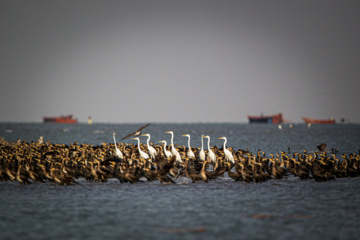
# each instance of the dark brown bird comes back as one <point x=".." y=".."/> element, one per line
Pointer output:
<point x="22" y="178"/>
<point x="137" y="132"/>
<point x="321" y="147"/>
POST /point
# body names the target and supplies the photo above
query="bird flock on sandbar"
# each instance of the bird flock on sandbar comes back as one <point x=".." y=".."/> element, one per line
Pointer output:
<point x="61" y="164"/>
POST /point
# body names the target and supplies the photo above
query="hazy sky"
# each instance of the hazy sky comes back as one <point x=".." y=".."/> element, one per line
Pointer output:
<point x="179" y="61"/>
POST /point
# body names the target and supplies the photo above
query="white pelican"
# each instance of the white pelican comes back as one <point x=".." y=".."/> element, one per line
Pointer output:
<point x="174" y="152"/>
<point x="166" y="152"/>
<point x="118" y="153"/>
<point x="211" y="154"/>
<point x="189" y="153"/>
<point x="141" y="152"/>
<point x="202" y="152"/>
<point x="151" y="150"/>
<point x="228" y="155"/>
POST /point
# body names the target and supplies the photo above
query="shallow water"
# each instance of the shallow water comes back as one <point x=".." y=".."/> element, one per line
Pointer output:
<point x="221" y="209"/>
<point x="277" y="209"/>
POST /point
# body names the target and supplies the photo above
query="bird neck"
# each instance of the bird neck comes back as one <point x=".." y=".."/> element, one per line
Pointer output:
<point x="172" y="140"/>
<point x="139" y="148"/>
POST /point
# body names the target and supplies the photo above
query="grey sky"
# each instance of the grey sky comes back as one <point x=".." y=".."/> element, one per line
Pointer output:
<point x="179" y="61"/>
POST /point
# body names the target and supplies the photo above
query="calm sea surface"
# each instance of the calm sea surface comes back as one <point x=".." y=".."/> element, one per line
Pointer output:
<point x="222" y="209"/>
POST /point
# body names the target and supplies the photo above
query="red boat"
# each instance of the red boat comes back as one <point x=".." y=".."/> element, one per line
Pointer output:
<point x="319" y="121"/>
<point x="62" y="119"/>
<point x="276" y="119"/>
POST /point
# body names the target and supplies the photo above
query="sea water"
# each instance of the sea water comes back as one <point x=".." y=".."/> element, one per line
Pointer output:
<point x="289" y="208"/>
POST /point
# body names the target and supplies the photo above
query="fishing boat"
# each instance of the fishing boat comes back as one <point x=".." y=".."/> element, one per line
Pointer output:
<point x="275" y="119"/>
<point x="319" y="121"/>
<point x="61" y="119"/>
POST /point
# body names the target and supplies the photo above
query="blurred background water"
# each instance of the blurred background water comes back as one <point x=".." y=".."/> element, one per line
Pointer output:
<point x="267" y="137"/>
<point x="289" y="208"/>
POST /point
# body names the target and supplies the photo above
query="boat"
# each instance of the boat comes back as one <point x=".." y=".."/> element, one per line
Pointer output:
<point x="61" y="119"/>
<point x="319" y="121"/>
<point x="275" y="119"/>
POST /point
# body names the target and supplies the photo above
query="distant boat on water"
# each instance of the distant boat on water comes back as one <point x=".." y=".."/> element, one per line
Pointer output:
<point x="319" y="121"/>
<point x="275" y="119"/>
<point x="61" y="119"/>
<point x="89" y="120"/>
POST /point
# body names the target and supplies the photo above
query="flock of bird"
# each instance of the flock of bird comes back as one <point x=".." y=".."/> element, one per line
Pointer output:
<point x="64" y="164"/>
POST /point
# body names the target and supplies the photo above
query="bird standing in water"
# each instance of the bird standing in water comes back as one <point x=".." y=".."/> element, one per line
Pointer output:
<point x="174" y="152"/>
<point x="118" y="153"/>
<point x="141" y="152"/>
<point x="227" y="153"/>
<point x="152" y="152"/>
<point x="211" y="154"/>
<point x="189" y="153"/>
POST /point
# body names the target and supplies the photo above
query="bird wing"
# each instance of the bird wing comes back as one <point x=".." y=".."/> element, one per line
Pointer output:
<point x="128" y="136"/>
<point x="143" y="127"/>
<point x="131" y="134"/>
